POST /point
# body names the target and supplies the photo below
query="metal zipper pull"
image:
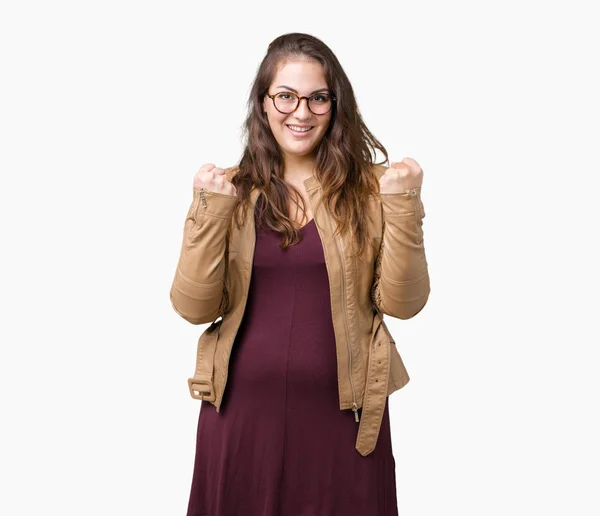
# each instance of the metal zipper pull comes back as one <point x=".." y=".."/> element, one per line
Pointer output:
<point x="413" y="194"/>
<point x="202" y="197"/>
<point x="355" y="410"/>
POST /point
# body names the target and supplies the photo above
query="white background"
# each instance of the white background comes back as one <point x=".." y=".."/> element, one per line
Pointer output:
<point x="107" y="111"/>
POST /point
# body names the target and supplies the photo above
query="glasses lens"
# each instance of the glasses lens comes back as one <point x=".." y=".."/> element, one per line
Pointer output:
<point x="320" y="103"/>
<point x="285" y="102"/>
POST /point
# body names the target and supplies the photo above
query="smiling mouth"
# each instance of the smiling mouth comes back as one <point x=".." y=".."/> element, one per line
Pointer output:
<point x="299" y="133"/>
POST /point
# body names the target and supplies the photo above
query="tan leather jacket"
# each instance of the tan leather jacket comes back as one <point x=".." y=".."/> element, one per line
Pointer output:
<point x="213" y="277"/>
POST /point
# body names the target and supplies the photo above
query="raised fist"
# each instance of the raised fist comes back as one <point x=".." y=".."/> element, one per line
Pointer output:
<point x="401" y="176"/>
<point x="213" y="179"/>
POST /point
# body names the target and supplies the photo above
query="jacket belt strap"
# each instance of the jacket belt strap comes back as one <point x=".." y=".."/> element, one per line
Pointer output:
<point x="201" y="385"/>
<point x="375" y="391"/>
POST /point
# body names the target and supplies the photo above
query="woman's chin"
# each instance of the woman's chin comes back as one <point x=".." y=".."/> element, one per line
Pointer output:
<point x="299" y="151"/>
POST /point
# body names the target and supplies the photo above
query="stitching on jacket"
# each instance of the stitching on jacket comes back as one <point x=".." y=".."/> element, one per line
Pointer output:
<point x="193" y="283"/>
<point x="391" y="378"/>
<point x="205" y="212"/>
<point x="408" y="282"/>
<point x="401" y="215"/>
<point x="186" y="294"/>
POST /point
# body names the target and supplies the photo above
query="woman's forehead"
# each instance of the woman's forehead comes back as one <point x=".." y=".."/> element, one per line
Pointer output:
<point x="303" y="76"/>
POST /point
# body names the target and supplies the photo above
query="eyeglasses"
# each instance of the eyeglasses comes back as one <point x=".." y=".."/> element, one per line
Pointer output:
<point x="287" y="102"/>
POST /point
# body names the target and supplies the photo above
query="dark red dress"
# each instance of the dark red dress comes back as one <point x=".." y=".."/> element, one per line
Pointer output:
<point x="280" y="446"/>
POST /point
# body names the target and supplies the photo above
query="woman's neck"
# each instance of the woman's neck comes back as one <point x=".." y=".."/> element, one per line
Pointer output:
<point x="297" y="170"/>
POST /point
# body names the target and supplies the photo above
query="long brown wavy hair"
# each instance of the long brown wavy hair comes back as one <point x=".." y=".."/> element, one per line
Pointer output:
<point x="344" y="156"/>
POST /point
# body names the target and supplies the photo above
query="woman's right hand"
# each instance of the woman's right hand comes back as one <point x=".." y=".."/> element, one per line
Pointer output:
<point x="213" y="179"/>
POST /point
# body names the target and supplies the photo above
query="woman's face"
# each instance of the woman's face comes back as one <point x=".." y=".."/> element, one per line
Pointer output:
<point x="306" y="78"/>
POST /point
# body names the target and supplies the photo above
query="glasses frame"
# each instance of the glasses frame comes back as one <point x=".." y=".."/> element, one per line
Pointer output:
<point x="299" y="100"/>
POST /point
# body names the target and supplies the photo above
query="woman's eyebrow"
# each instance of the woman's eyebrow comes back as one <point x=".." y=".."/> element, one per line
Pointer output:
<point x="296" y="91"/>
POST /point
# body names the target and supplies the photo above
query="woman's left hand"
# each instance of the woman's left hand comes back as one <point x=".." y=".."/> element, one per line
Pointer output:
<point x="401" y="176"/>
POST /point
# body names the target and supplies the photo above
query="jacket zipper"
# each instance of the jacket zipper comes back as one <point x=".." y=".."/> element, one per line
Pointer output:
<point x="418" y="214"/>
<point x="202" y="191"/>
<point x="355" y="406"/>
<point x="413" y="194"/>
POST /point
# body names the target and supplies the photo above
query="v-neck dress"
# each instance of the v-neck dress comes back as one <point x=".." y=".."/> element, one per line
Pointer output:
<point x="280" y="445"/>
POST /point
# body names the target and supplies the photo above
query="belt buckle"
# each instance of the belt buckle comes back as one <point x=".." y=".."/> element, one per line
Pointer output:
<point x="201" y="389"/>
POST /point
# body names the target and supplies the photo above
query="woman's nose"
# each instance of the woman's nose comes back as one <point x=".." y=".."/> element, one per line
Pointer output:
<point x="302" y="110"/>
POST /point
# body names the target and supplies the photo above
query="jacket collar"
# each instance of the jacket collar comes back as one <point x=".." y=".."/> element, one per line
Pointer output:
<point x="311" y="182"/>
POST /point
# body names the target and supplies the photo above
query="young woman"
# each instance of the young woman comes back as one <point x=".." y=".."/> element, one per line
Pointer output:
<point x="294" y="255"/>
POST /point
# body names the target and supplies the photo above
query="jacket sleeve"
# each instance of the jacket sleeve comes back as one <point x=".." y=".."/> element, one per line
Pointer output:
<point x="401" y="278"/>
<point x="198" y="291"/>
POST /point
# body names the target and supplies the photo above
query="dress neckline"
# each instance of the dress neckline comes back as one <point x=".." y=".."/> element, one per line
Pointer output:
<point x="303" y="228"/>
<point x="309" y="222"/>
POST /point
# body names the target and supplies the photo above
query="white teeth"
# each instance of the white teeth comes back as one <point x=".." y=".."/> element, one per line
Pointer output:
<point x="301" y="129"/>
